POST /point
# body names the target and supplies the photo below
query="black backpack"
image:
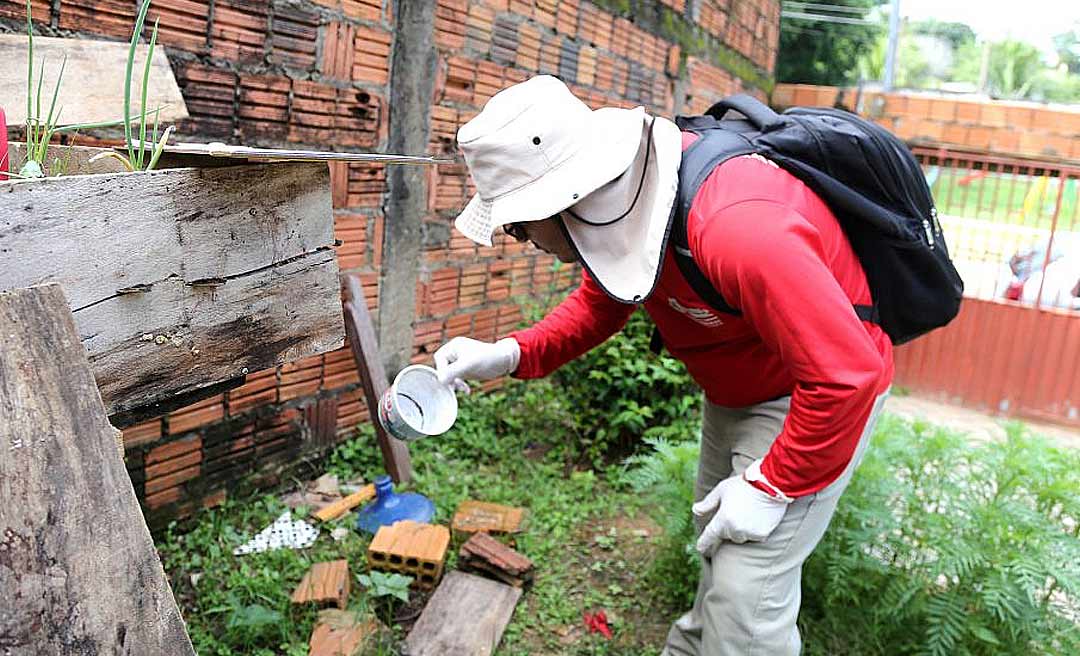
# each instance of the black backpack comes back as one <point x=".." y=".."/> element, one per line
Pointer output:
<point x="866" y="176"/>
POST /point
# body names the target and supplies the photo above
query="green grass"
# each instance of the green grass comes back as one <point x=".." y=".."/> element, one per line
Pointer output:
<point x="576" y="534"/>
<point x="1006" y="198"/>
<point x="940" y="546"/>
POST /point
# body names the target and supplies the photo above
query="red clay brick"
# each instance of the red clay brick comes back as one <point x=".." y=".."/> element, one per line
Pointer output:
<point x="144" y="433"/>
<point x="239" y="30"/>
<point x="371" y="58"/>
<point x="196" y="416"/>
<point x="104" y="17"/>
<point x="546" y="12"/>
<point x="416" y="549"/>
<point x="528" y="54"/>
<point x="450" y="19"/>
<point x="183" y="23"/>
<point x="992" y="115"/>
<point x="258" y="389"/>
<point x="566" y="17"/>
<point x="523" y="8"/>
<point x="40" y="11"/>
<point x="173" y="449"/>
<point x="486" y="554"/>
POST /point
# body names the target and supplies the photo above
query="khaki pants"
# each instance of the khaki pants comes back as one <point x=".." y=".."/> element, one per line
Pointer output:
<point x="748" y="596"/>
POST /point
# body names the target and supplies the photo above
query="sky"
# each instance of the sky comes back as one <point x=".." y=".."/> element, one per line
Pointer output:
<point x="1034" y="21"/>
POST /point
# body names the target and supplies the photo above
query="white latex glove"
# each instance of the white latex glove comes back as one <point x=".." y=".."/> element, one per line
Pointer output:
<point x="743" y="512"/>
<point x="464" y="358"/>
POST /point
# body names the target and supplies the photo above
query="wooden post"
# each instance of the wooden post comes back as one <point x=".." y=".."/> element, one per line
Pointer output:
<point x="78" y="569"/>
<point x="365" y="350"/>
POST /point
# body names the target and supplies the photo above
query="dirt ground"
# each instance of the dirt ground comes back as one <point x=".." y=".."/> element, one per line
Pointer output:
<point x="978" y="424"/>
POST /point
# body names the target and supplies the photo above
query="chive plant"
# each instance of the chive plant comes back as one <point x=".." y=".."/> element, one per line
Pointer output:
<point x="41" y="130"/>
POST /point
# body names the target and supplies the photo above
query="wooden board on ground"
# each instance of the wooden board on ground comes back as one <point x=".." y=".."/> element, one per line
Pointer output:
<point x="324" y="584"/>
<point x="77" y="564"/>
<point x="181" y="278"/>
<point x="344" y="505"/>
<point x="92" y="89"/>
<point x="472" y="516"/>
<point x="465" y="617"/>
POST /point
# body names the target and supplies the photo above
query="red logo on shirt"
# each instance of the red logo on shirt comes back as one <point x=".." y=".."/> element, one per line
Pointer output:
<point x="700" y="315"/>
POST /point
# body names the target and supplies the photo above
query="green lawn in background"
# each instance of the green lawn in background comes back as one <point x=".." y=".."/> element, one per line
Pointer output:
<point x="1002" y="197"/>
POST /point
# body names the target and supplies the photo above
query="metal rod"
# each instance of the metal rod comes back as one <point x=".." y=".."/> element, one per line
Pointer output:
<point x="217" y="149"/>
<point x="799" y="6"/>
<point x="818" y="18"/>
<point x="894" y="38"/>
<point x="1053" y="230"/>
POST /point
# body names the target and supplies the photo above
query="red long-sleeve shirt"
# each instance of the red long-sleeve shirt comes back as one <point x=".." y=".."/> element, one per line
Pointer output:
<point x="776" y="252"/>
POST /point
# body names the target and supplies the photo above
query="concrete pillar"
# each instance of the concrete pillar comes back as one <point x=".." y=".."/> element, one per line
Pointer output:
<point x="412" y="80"/>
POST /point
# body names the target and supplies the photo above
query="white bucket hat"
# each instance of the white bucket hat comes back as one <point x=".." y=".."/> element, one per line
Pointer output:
<point x="536" y="151"/>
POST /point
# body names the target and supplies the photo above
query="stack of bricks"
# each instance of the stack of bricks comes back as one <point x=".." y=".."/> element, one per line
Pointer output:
<point x="1004" y="127"/>
<point x="316" y="74"/>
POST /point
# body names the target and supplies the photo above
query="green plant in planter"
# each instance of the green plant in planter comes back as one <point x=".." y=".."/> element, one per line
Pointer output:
<point x="137" y="159"/>
<point x="41" y="130"/>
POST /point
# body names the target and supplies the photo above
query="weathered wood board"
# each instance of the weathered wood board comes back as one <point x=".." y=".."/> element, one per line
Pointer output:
<point x="344" y="505"/>
<point x="181" y="278"/>
<point x="465" y="617"/>
<point x="373" y="378"/>
<point x="92" y="89"/>
<point x="78" y="569"/>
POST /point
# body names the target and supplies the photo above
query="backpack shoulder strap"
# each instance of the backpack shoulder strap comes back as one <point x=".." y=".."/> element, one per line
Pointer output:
<point x="713" y="147"/>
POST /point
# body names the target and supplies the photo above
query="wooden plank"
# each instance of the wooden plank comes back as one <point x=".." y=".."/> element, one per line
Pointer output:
<point x="365" y="349"/>
<point x="181" y="278"/>
<point x="77" y="564"/>
<point x="465" y="617"/>
<point x="324" y="584"/>
<point x="92" y="89"/>
<point x="342" y="506"/>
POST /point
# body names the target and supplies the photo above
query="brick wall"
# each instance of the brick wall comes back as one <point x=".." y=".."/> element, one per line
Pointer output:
<point x="1004" y="127"/>
<point x="317" y="73"/>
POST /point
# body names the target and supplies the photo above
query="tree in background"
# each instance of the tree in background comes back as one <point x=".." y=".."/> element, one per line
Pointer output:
<point x="957" y="34"/>
<point x="818" y="52"/>
<point x="1012" y="68"/>
<point x="932" y="54"/>
<point x="912" y="70"/>
<point x="1067" y="46"/>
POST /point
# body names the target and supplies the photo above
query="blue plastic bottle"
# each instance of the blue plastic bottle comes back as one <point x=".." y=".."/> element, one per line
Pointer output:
<point x="390" y="507"/>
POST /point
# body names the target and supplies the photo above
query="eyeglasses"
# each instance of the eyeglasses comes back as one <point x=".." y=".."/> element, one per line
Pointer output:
<point x="516" y="231"/>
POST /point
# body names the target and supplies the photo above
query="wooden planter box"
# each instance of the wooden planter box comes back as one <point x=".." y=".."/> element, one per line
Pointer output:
<point x="180" y="279"/>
